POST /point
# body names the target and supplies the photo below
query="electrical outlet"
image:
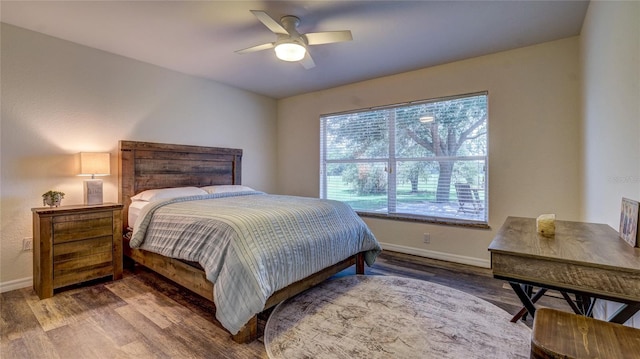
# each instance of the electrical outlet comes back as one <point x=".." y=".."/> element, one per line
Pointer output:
<point x="426" y="238"/>
<point x="27" y="244"/>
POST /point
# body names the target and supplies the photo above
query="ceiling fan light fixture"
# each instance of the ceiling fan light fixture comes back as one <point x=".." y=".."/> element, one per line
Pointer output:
<point x="290" y="51"/>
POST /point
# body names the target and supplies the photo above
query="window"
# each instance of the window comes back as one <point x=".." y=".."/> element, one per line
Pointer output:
<point x="423" y="160"/>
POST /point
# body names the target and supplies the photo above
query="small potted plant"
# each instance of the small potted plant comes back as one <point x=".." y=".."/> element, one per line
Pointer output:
<point x="52" y="198"/>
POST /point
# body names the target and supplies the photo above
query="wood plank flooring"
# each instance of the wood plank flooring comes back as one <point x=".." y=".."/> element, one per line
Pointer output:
<point x="145" y="316"/>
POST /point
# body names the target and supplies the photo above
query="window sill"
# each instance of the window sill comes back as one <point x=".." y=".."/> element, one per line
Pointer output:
<point x="429" y="220"/>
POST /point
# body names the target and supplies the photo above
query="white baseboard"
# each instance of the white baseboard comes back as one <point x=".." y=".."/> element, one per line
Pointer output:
<point x="484" y="263"/>
<point x="16" y="284"/>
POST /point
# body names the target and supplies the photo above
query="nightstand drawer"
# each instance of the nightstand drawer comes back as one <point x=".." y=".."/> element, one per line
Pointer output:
<point x="80" y="226"/>
<point x="65" y="278"/>
<point x="78" y="261"/>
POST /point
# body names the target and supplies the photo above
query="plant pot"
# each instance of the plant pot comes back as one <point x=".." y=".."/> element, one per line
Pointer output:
<point x="51" y="201"/>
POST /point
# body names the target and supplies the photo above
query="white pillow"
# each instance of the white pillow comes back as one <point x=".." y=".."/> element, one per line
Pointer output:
<point x="134" y="211"/>
<point x="227" y="188"/>
<point x="166" y="193"/>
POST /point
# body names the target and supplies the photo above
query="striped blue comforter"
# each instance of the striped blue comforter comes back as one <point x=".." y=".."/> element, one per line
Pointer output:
<point x="252" y="244"/>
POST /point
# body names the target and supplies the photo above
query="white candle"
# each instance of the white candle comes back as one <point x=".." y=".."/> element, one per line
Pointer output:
<point x="546" y="224"/>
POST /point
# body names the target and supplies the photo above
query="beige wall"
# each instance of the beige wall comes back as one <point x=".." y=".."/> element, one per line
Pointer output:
<point x="610" y="53"/>
<point x="534" y="122"/>
<point x="60" y="98"/>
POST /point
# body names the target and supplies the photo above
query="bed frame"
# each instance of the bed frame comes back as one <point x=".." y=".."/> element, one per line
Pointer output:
<point x="147" y="165"/>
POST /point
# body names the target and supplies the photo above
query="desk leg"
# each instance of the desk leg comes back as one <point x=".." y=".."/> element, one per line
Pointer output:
<point x="523" y="312"/>
<point x="528" y="289"/>
<point x="590" y="308"/>
<point x="574" y="306"/>
<point x="524" y="298"/>
<point x="625" y="312"/>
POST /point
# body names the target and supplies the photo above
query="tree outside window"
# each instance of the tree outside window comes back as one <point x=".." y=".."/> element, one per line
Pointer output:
<point x="424" y="159"/>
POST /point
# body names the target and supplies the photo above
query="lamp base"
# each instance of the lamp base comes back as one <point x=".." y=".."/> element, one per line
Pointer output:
<point x="93" y="191"/>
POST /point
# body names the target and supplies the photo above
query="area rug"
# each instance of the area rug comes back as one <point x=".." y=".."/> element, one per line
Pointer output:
<point x="391" y="317"/>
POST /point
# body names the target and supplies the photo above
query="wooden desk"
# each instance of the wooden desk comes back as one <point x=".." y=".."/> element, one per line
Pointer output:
<point x="587" y="259"/>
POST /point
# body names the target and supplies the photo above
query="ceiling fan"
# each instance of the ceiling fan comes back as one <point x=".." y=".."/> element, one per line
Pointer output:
<point x="291" y="45"/>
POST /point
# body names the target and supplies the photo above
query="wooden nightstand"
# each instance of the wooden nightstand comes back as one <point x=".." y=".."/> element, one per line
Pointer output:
<point x="74" y="244"/>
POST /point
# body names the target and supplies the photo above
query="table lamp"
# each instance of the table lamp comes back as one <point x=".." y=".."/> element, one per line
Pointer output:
<point x="94" y="164"/>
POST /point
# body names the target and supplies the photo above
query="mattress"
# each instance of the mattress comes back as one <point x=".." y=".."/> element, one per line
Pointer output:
<point x="252" y="244"/>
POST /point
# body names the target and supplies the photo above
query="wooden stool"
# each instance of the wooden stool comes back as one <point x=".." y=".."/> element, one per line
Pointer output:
<point x="559" y="334"/>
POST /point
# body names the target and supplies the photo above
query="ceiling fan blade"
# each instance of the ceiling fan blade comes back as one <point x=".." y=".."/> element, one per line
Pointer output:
<point x="266" y="46"/>
<point x="307" y="62"/>
<point x="327" y="37"/>
<point x="269" y="22"/>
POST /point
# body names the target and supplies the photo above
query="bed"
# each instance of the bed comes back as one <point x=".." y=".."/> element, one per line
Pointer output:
<point x="148" y="166"/>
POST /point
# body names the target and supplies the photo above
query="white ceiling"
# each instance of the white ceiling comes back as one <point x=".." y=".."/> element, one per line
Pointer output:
<point x="199" y="37"/>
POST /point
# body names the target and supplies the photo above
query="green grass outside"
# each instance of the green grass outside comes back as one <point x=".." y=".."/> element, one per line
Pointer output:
<point x="338" y="190"/>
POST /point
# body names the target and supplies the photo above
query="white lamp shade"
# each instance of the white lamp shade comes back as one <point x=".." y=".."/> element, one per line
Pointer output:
<point x="290" y="51"/>
<point x="95" y="164"/>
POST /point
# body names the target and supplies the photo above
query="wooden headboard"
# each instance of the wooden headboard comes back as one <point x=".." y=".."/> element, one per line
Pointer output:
<point x="147" y="165"/>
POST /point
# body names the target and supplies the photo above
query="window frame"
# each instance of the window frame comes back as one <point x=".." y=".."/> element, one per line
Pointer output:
<point x="393" y="158"/>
